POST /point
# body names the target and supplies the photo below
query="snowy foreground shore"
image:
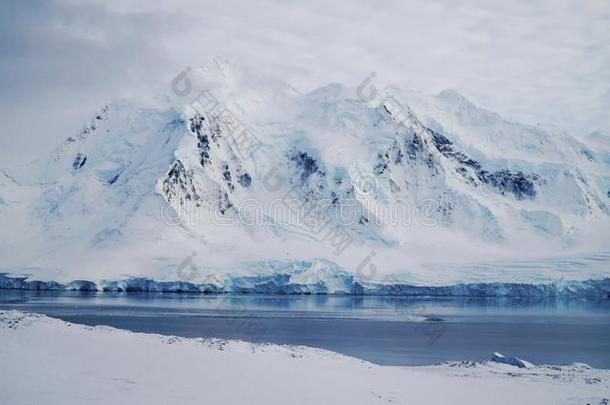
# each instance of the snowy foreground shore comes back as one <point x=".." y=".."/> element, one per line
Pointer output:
<point x="45" y="360"/>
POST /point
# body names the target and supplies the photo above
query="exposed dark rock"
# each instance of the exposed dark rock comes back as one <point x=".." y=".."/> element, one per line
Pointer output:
<point x="224" y="203"/>
<point x="382" y="163"/>
<point x="79" y="161"/>
<point x="226" y="175"/>
<point x="312" y="177"/>
<point x="397" y="154"/>
<point x="206" y="131"/>
<point x="445" y="146"/>
<point x="114" y="179"/>
<point x="178" y="185"/>
<point x="306" y="163"/>
<point x="519" y="184"/>
<point x="334" y="198"/>
<point x="245" y="180"/>
<point x="414" y="147"/>
<point x="587" y="154"/>
<point x="442" y="143"/>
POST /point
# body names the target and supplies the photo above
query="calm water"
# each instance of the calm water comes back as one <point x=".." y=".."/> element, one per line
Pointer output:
<point x="384" y="330"/>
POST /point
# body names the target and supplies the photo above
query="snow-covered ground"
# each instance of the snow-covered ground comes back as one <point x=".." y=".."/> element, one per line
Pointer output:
<point x="45" y="360"/>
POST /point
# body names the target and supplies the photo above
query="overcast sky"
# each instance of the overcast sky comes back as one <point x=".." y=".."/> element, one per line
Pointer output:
<point x="543" y="61"/>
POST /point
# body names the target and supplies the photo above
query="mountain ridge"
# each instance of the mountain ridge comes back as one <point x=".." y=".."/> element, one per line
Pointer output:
<point x="394" y="179"/>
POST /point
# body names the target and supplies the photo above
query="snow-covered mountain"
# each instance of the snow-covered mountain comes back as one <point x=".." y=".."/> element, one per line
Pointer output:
<point x="251" y="177"/>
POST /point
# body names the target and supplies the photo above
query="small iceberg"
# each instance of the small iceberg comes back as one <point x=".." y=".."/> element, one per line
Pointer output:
<point x="513" y="361"/>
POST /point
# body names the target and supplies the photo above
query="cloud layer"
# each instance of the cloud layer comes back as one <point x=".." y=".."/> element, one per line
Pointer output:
<point x="546" y="61"/>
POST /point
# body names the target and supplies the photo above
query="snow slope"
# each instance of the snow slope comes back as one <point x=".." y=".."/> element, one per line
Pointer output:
<point x="428" y="190"/>
<point x="54" y="362"/>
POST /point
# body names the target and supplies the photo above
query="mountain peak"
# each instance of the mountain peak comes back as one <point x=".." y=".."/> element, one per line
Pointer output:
<point x="116" y="196"/>
<point x="455" y="97"/>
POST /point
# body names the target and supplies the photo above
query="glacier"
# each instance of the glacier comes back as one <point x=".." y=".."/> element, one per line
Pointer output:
<point x="300" y="282"/>
<point x="263" y="189"/>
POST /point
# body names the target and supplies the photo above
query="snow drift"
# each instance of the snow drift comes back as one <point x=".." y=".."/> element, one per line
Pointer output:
<point x="162" y="369"/>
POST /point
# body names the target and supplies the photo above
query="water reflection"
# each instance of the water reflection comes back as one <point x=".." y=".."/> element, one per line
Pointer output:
<point x="386" y="330"/>
<point x="370" y="307"/>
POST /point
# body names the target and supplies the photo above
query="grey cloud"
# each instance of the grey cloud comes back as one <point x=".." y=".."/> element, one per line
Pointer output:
<point x="543" y="61"/>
